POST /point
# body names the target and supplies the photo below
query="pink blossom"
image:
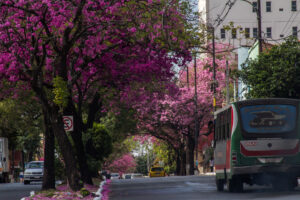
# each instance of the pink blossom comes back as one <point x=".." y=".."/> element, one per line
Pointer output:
<point x="132" y="30"/>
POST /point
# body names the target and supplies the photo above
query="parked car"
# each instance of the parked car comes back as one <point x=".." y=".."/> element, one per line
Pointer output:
<point x="127" y="176"/>
<point x="136" y="175"/>
<point x="34" y="171"/>
<point x="115" y="176"/>
<point x="157" y="172"/>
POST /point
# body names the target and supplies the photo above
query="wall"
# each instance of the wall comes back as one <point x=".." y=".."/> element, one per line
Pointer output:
<point x="241" y="14"/>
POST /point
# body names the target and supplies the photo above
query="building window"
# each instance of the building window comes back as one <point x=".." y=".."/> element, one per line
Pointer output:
<point x="268" y="6"/>
<point x="254" y="32"/>
<point x="223" y="35"/>
<point x="233" y="33"/>
<point x="294" y="5"/>
<point x="269" y="32"/>
<point x="295" y="31"/>
<point x="247" y="32"/>
<point x="254" y="6"/>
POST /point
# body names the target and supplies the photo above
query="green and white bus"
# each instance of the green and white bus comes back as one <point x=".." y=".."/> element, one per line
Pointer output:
<point x="257" y="142"/>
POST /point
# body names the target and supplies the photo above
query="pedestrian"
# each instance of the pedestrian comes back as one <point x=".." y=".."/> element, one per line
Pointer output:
<point x="211" y="164"/>
<point x="21" y="176"/>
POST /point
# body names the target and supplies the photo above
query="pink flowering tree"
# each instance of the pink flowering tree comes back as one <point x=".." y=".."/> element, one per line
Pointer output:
<point x="172" y="117"/>
<point x="124" y="164"/>
<point x="68" y="51"/>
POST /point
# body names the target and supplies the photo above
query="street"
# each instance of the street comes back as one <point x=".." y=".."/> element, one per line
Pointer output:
<point x="189" y="188"/>
<point x="16" y="191"/>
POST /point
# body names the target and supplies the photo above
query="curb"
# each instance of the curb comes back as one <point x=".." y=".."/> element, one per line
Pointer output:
<point x="99" y="192"/>
<point x="100" y="195"/>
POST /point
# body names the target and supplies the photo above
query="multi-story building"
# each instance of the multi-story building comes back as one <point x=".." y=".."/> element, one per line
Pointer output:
<point x="280" y="19"/>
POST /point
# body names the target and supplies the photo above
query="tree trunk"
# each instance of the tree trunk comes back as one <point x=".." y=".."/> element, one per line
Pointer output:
<point x="187" y="157"/>
<point x="23" y="161"/>
<point x="190" y="155"/>
<point x="78" y="144"/>
<point x="182" y="161"/>
<point x="12" y="164"/>
<point x="55" y="118"/>
<point x="82" y="161"/>
<point x="49" y="167"/>
<point x="178" y="163"/>
<point x="30" y="156"/>
<point x="66" y="149"/>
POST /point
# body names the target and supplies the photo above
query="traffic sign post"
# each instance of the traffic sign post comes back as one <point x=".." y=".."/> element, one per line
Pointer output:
<point x="68" y="123"/>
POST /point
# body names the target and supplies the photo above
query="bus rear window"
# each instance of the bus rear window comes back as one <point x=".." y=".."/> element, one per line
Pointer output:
<point x="268" y="118"/>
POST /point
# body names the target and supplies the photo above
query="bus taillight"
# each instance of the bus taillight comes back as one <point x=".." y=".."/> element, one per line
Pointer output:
<point x="234" y="157"/>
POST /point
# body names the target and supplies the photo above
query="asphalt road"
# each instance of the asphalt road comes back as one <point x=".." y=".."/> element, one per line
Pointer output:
<point x="16" y="191"/>
<point x="190" y="188"/>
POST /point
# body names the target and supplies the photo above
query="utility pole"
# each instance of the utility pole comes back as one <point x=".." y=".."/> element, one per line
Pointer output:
<point x="187" y="164"/>
<point x="259" y="25"/>
<point x="227" y="83"/>
<point x="214" y="67"/>
<point x="196" y="110"/>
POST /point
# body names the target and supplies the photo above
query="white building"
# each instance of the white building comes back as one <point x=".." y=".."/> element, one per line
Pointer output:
<point x="280" y="19"/>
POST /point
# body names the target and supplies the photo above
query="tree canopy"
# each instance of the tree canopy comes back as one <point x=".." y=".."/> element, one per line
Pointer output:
<point x="275" y="73"/>
<point x="67" y="51"/>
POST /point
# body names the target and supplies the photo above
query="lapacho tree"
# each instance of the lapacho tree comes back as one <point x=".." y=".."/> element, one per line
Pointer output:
<point x="66" y="51"/>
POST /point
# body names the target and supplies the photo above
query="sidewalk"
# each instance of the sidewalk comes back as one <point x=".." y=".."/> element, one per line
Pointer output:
<point x="209" y="173"/>
<point x="89" y="192"/>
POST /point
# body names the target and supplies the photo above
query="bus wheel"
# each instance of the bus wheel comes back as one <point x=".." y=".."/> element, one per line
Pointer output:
<point x="230" y="185"/>
<point x="291" y="183"/>
<point x="285" y="184"/>
<point x="235" y="185"/>
<point x="220" y="184"/>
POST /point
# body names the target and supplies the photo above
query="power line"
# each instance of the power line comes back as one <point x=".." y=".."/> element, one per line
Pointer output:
<point x="291" y="31"/>
<point x="286" y="37"/>
<point x="220" y="18"/>
<point x="283" y="30"/>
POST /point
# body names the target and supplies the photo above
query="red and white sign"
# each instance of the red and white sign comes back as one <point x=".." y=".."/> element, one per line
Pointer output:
<point x="68" y="123"/>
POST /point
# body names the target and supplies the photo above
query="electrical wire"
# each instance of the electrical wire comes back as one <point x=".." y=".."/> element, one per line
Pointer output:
<point x="283" y="30"/>
<point x="291" y="31"/>
<point x="286" y="37"/>
<point x="221" y="18"/>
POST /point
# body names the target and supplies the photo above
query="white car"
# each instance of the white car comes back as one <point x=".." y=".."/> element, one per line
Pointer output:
<point x="136" y="175"/>
<point x="115" y="176"/>
<point x="34" y="171"/>
<point x="126" y="176"/>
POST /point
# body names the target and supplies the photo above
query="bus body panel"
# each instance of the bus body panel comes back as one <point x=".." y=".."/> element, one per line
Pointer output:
<point x="269" y="147"/>
<point x="249" y="157"/>
<point x="222" y="158"/>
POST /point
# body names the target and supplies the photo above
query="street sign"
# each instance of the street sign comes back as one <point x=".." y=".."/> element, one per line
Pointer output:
<point x="68" y="123"/>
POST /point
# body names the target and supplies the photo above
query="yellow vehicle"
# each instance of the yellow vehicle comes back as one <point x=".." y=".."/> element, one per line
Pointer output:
<point x="157" y="172"/>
